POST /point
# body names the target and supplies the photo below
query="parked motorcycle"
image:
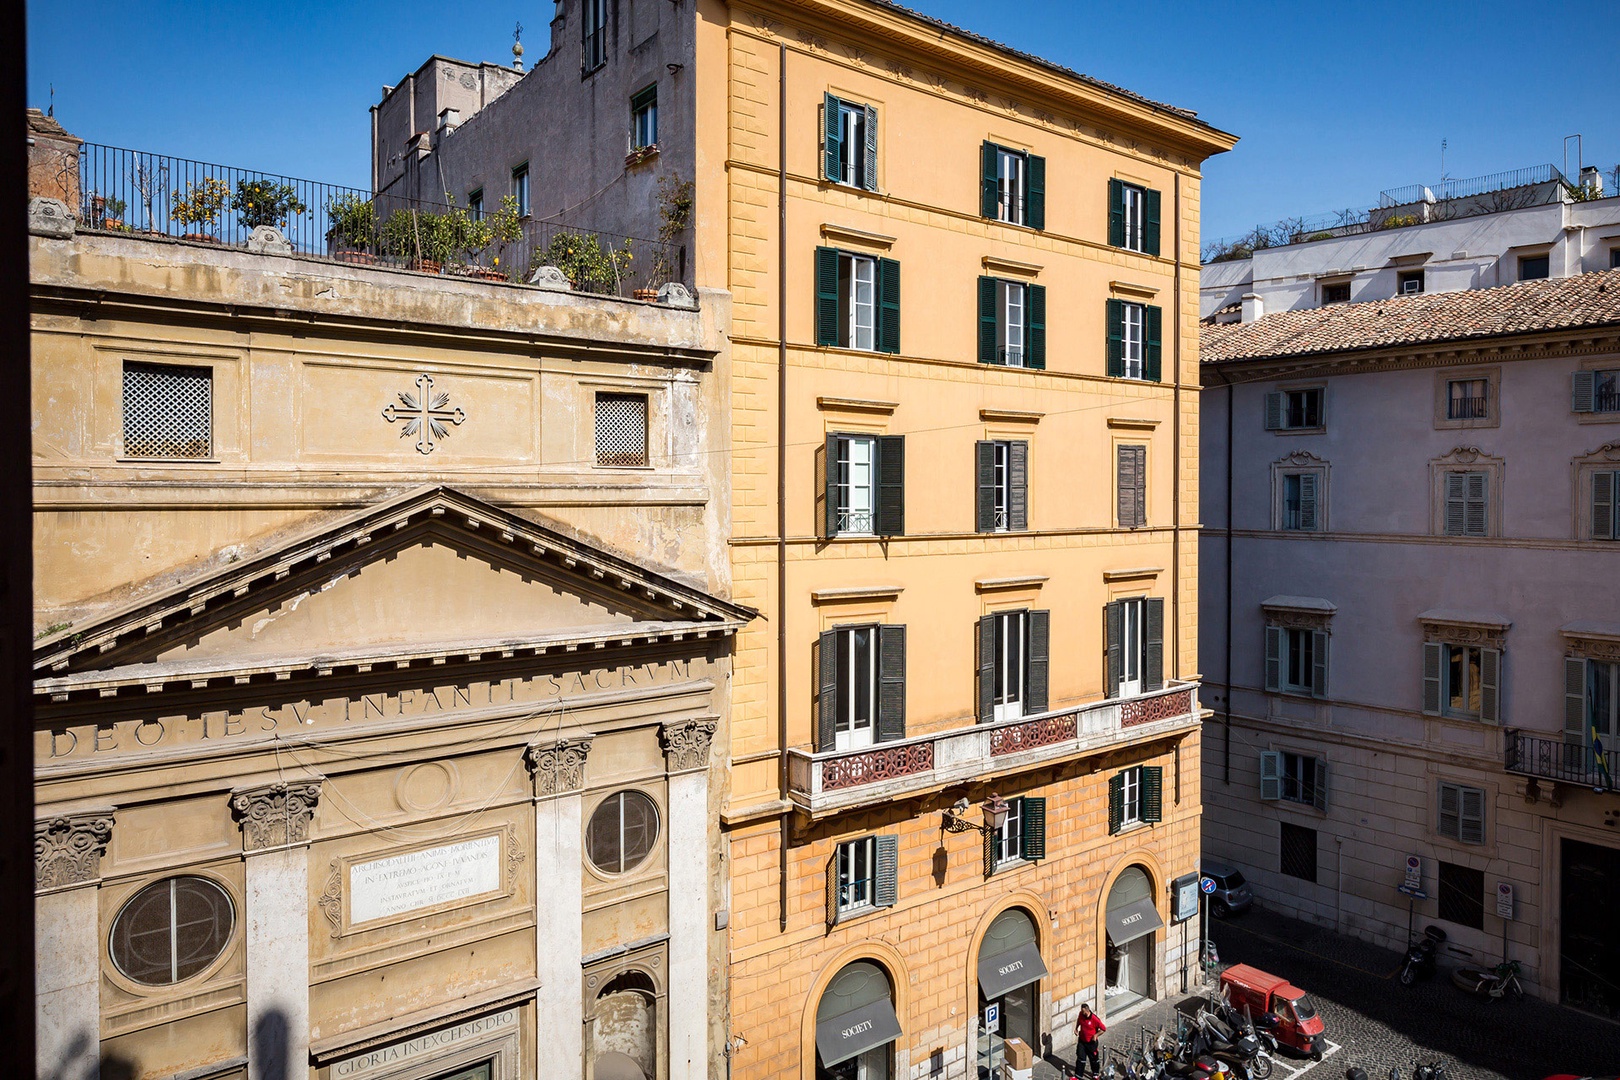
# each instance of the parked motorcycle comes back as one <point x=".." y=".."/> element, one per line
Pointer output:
<point x="1420" y="956"/>
<point x="1239" y="1046"/>
<point x="1501" y="981"/>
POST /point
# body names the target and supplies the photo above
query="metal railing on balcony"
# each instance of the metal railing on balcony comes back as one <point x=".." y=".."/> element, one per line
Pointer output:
<point x="1581" y="764"/>
<point x="1606" y="400"/>
<point x="1465" y="408"/>
<point x="145" y="194"/>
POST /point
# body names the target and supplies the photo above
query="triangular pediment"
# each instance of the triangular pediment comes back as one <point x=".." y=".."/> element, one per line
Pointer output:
<point x="427" y="573"/>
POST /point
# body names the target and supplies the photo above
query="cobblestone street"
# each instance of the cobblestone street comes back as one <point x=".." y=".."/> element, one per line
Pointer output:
<point x="1374" y="1022"/>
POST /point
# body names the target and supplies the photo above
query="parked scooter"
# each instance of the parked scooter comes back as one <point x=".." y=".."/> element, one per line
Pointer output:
<point x="1501" y="981"/>
<point x="1239" y="1047"/>
<point x="1420" y="956"/>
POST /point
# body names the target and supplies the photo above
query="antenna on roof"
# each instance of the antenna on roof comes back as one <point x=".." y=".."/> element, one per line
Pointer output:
<point x="517" y="47"/>
<point x="1442" y="163"/>
<point x="51" y="110"/>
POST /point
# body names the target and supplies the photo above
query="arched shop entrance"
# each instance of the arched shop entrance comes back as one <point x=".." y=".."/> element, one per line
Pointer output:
<point x="1131" y="919"/>
<point x="1010" y="970"/>
<point x="856" y="1025"/>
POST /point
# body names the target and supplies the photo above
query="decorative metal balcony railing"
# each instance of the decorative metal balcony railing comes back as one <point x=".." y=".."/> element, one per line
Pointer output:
<point x="821" y="782"/>
<point x="1555" y="759"/>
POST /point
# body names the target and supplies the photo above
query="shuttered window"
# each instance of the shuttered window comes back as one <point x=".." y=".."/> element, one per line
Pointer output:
<point x="1012" y="323"/>
<point x="1462" y="681"/>
<point x="1462" y="813"/>
<point x="1293" y="410"/>
<point x="861" y="696"/>
<point x="1289" y="777"/>
<point x="1014" y="664"/>
<point x="1606" y="505"/>
<point x="1296" y="661"/>
<point x="1300" y="501"/>
<point x="1001" y="485"/>
<point x="1467" y="503"/>
<point x="863" y="875"/>
<point x="860" y="488"/>
<point x="1133" y="217"/>
<point x="1130" y="485"/>
<point x="1134" y="347"/>
<point x="857" y="301"/>
<point x="1012" y="186"/>
<point x="1596" y="391"/>
<point x="1135" y="795"/>
<point x="849" y="143"/>
<point x="1021" y="837"/>
<point x="1133" y="646"/>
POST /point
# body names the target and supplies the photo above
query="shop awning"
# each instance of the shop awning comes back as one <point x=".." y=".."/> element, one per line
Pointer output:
<point x="857" y="1031"/>
<point x="1003" y="972"/>
<point x="1131" y="921"/>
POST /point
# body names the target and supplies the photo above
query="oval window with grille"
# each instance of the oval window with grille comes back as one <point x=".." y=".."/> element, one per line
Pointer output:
<point x="172" y="930"/>
<point x="622" y="832"/>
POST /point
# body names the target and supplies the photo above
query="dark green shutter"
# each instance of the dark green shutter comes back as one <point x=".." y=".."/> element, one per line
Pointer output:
<point x="1018" y="486"/>
<point x="832" y="139"/>
<point x="1116" y="336"/>
<point x="1150" y="222"/>
<point x="827" y="694"/>
<point x="1153" y="319"/>
<point x="984" y="473"/>
<point x="869" y="176"/>
<point x="1113" y="647"/>
<point x="828" y="308"/>
<point x="1116" y="213"/>
<point x="1116" y="802"/>
<point x="886" y="890"/>
<point x="1152" y="794"/>
<point x="1319" y="663"/>
<point x="1603" y="500"/>
<point x="987" y="181"/>
<point x="1034" y="827"/>
<point x="888" y="327"/>
<point x="1153" y="660"/>
<point x="1270" y="775"/>
<point x="1035" y="191"/>
<point x="1035" y="325"/>
<point x="827" y="486"/>
<point x="987" y="669"/>
<point x="1037" y="662"/>
<point x="891" y="718"/>
<point x="891" y="492"/>
<point x="989" y="321"/>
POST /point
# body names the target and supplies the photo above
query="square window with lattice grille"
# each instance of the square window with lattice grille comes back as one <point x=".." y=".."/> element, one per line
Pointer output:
<point x="621" y="429"/>
<point x="168" y="411"/>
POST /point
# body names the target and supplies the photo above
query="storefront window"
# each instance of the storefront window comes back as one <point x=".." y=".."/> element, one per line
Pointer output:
<point x="856" y="1025"/>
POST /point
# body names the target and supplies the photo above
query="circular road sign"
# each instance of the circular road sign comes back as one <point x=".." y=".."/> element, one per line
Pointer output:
<point x="1206" y="885"/>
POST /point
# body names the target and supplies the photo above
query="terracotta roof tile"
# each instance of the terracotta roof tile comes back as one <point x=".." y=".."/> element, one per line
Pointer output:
<point x="1524" y="308"/>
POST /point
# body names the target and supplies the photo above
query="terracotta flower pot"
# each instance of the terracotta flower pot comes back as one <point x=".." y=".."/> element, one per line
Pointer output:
<point x="485" y="273"/>
<point x="426" y="266"/>
<point x="363" y="258"/>
<point x="646" y="294"/>
<point x="201" y="237"/>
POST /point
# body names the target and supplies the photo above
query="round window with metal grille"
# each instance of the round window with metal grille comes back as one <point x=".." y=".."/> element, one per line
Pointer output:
<point x="621" y="832"/>
<point x="172" y="930"/>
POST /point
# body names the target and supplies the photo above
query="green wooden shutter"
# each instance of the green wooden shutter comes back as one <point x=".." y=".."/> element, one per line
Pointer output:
<point x="891" y="488"/>
<point x="1450" y="810"/>
<point x="869" y="179"/>
<point x="888" y="328"/>
<point x="1035" y="191"/>
<point x="1152" y="793"/>
<point x="891" y="717"/>
<point x="1490" y="685"/>
<point x="1116" y="338"/>
<point x="984" y="474"/>
<point x="1270" y="775"/>
<point x="827" y="486"/>
<point x="832" y="151"/>
<point x="1113" y="647"/>
<point x="1018" y="486"/>
<point x="1320" y="800"/>
<point x="1153" y="350"/>
<point x="1575" y="699"/>
<point x="832" y="889"/>
<point x="1274" y="412"/>
<point x="989" y="321"/>
<point x="886" y="890"/>
<point x="1319" y="663"/>
<point x="987" y="669"/>
<point x="1583" y="391"/>
<point x="1434" y="661"/>
<point x="1034" y="821"/>
<point x="987" y="181"/>
<point x="1035" y="326"/>
<point x="1116" y="802"/>
<point x="1471" y="816"/>
<point x="1153" y="656"/>
<point x="1307" y="502"/>
<point x="1116" y="213"/>
<point x="827" y="694"/>
<point x="1037" y="662"/>
<point x="1274" y="649"/>
<point x="828" y="308"/>
<point x="1150" y="222"/>
<point x="1603" y="500"/>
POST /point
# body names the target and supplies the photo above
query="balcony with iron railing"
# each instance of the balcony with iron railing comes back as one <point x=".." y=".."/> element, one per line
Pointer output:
<point x="1466" y="408"/>
<point x="1565" y="761"/>
<point x="823" y="783"/>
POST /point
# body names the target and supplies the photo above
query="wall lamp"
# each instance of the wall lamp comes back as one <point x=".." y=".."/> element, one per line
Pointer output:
<point x="995" y="813"/>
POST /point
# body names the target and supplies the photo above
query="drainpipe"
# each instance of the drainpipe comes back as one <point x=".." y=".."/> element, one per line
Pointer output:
<point x="781" y="481"/>
<point x="1175" y="442"/>
<point x="1226" y="672"/>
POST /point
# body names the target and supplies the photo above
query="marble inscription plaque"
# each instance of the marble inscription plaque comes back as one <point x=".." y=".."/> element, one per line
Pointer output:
<point x="382" y="888"/>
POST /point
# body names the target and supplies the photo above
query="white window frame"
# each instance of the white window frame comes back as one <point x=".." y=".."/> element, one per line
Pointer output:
<point x="644" y="122"/>
<point x="1292" y="788"/>
<point x="1012" y="179"/>
<point x="1013" y="299"/>
<point x="855" y="892"/>
<point x="1010" y="836"/>
<point x="1011" y="664"/>
<point x="1130" y="797"/>
<point x="520" y="188"/>
<point x="1465" y="713"/>
<point x="856" y="484"/>
<point x="1132" y="645"/>
<point x="1133" y="339"/>
<point x="1460" y="831"/>
<point x="1304" y="394"/>
<point x="1003" y="486"/>
<point x="1134" y="204"/>
<point x="1296" y="656"/>
<point x="857" y="288"/>
<point x="852" y="148"/>
<point x="856" y="688"/>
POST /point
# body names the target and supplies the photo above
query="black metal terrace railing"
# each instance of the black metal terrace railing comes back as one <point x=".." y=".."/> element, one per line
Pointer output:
<point x="1555" y="759"/>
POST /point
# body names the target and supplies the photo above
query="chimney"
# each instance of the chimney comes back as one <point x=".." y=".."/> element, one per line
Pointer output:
<point x="1253" y="307"/>
<point x="53" y="161"/>
<point x="449" y="120"/>
<point x="1592" y="182"/>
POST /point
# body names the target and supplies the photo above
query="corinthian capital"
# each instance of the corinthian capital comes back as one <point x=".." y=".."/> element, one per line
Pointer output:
<point x="559" y="767"/>
<point x="276" y="814"/>
<point x="686" y="744"/>
<point x="68" y="848"/>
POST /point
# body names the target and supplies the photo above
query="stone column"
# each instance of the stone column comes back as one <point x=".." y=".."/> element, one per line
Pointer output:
<point x="67" y="942"/>
<point x="275" y="839"/>
<point x="559" y="883"/>
<point x="686" y="751"/>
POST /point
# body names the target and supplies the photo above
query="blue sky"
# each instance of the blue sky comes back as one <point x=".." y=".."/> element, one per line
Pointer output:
<point x="1333" y="103"/>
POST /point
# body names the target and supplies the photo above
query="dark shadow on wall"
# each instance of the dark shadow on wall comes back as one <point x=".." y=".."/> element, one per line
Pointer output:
<point x="268" y="1046"/>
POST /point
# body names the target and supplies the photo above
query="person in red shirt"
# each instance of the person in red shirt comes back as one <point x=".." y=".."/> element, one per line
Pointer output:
<point x="1088" y="1026"/>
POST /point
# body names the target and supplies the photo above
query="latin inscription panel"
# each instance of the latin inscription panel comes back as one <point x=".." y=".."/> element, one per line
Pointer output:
<point x="398" y="884"/>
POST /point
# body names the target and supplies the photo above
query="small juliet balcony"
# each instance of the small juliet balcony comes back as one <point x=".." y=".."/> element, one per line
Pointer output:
<point x="1555" y="759"/>
<point x="823" y="783"/>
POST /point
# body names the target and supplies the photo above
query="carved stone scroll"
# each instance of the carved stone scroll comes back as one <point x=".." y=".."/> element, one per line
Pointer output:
<point x="559" y="767"/>
<point x="686" y="744"/>
<point x="275" y="815"/>
<point x="68" y="848"/>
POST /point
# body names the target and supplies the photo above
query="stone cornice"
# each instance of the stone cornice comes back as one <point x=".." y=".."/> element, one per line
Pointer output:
<point x="558" y="768"/>
<point x="68" y="848"/>
<point x="275" y="815"/>
<point x="859" y="237"/>
<point x="686" y="744"/>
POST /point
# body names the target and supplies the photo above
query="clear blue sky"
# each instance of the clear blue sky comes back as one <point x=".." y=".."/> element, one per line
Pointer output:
<point x="1333" y="103"/>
